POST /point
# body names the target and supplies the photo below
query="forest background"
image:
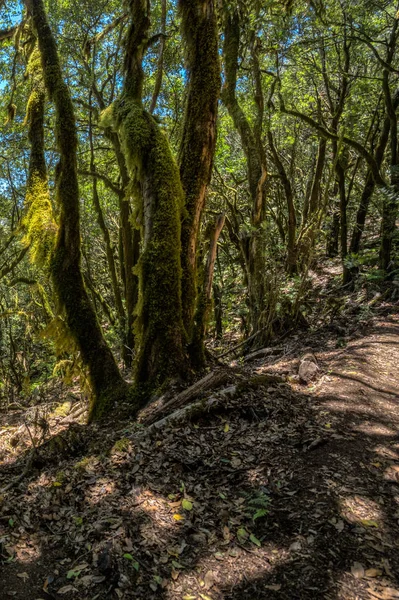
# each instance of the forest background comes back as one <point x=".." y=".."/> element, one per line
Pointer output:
<point x="173" y="173"/>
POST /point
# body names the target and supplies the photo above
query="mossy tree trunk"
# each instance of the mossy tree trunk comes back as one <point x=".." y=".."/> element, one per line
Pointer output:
<point x="197" y="148"/>
<point x="129" y="236"/>
<point x="160" y="336"/>
<point x="369" y="185"/>
<point x="109" y="250"/>
<point x="332" y="242"/>
<point x="312" y="209"/>
<point x="39" y="224"/>
<point x="289" y="196"/>
<point x="105" y="379"/>
<point x="314" y="198"/>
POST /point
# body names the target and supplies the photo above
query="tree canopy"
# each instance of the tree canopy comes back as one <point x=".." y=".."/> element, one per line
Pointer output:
<point x="174" y="169"/>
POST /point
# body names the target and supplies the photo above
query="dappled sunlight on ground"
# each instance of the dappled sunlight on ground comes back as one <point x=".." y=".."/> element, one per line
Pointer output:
<point x="286" y="492"/>
<point x="360" y="509"/>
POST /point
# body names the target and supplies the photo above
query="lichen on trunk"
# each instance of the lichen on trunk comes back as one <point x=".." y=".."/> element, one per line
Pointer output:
<point x="158" y="198"/>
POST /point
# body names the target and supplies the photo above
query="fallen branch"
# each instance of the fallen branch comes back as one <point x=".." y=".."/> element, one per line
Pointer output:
<point x="18" y="479"/>
<point x="251" y="337"/>
<point x="195" y="409"/>
<point x="212" y="380"/>
<point x="76" y="411"/>
<point x="263" y="352"/>
<point x="234" y="348"/>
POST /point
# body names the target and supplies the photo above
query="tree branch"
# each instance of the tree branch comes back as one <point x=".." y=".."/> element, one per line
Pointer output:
<point x="329" y="135"/>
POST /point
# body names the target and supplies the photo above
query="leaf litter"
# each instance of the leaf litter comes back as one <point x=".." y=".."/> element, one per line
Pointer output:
<point x="257" y="498"/>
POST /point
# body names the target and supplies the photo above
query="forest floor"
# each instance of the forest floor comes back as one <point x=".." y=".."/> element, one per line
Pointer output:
<point x="284" y="491"/>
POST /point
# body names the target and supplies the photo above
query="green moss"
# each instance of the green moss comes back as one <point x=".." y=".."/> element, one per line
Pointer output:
<point x="103" y="402"/>
<point x="38" y="223"/>
<point x="60" y="477"/>
<point x="81" y="319"/>
<point x="122" y="445"/>
<point x="62" y="409"/>
<point x="88" y="463"/>
<point x="159" y="330"/>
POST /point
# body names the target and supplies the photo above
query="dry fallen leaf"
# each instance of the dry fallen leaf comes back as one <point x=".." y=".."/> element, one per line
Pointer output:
<point x="339" y="526"/>
<point x="384" y="594"/>
<point x="357" y="570"/>
<point x="66" y="589"/>
<point x="296" y="546"/>
<point x="81" y="567"/>
<point x="373" y="572"/>
<point x="209" y="579"/>
<point x="275" y="588"/>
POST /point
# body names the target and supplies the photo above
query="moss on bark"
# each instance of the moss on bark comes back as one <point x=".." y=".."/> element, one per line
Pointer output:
<point x="105" y="380"/>
<point x="39" y="225"/>
<point x="158" y="204"/>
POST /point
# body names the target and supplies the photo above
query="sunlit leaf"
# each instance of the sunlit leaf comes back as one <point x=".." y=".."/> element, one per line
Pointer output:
<point x="187" y="505"/>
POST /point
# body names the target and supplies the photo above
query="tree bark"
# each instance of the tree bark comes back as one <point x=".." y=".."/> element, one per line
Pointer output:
<point x="106" y="382"/>
<point x="129" y="247"/>
<point x="390" y="202"/>
<point x="252" y="246"/>
<point x="107" y="239"/>
<point x="204" y="304"/>
<point x="159" y="330"/>
<point x="289" y="196"/>
<point x="197" y="148"/>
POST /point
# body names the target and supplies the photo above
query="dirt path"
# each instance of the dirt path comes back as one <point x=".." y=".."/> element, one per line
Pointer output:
<point x="289" y="492"/>
<point x="349" y="483"/>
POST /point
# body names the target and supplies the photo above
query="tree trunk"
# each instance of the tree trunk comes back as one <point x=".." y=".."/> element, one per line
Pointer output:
<point x="218" y="311"/>
<point x="314" y="200"/>
<point x="39" y="225"/>
<point x="109" y="251"/>
<point x="106" y="382"/>
<point x="204" y="304"/>
<point x="390" y="202"/>
<point x="361" y="214"/>
<point x="159" y="331"/>
<point x="129" y="239"/>
<point x="346" y="274"/>
<point x="369" y="185"/>
<point x="289" y="196"/>
<point x="197" y="148"/>
<point x="253" y="244"/>
<point x="129" y="256"/>
<point x="332" y="246"/>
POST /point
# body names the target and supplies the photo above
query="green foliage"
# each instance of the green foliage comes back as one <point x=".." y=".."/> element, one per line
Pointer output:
<point x="292" y="43"/>
<point x="257" y="504"/>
